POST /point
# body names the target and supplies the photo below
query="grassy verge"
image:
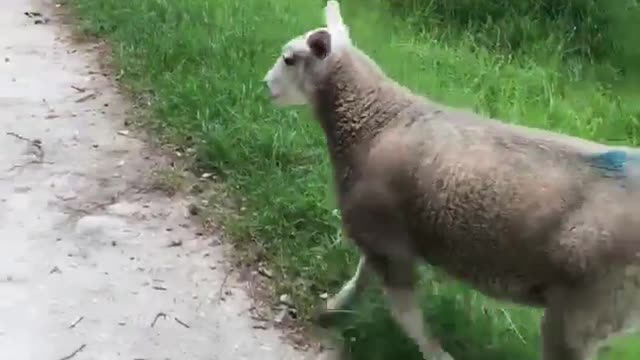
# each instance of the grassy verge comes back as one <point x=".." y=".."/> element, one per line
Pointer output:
<point x="202" y="61"/>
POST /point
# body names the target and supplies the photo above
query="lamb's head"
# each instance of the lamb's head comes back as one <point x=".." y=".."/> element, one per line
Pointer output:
<point x="304" y="59"/>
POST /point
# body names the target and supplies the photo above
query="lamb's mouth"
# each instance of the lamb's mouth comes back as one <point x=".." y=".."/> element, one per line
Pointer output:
<point x="276" y="97"/>
<point x="274" y="94"/>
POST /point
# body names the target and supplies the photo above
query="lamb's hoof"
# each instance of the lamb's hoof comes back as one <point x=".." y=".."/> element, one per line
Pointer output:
<point x="326" y="318"/>
<point x="330" y="314"/>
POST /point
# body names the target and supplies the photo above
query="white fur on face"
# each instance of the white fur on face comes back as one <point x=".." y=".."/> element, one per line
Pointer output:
<point x="286" y="82"/>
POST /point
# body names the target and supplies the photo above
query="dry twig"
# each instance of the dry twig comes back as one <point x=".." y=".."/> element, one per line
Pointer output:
<point x="35" y="147"/>
<point x="18" y="136"/>
<point x="75" y="352"/>
<point x="158" y="316"/>
<point x="181" y="322"/>
<point x="75" y="323"/>
<point x="78" y="89"/>
<point x="224" y="282"/>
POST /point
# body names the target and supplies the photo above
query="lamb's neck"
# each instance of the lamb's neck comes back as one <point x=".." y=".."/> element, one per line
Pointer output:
<point x="352" y="113"/>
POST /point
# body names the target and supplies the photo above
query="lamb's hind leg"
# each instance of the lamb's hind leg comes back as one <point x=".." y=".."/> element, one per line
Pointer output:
<point x="578" y="321"/>
<point x="352" y="289"/>
<point x="348" y="294"/>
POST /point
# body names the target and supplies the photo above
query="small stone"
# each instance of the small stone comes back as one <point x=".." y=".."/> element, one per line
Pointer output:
<point x="194" y="209"/>
<point x="175" y="243"/>
<point x="196" y="189"/>
<point x="293" y="313"/>
<point x="215" y="242"/>
<point x="285" y="299"/>
<point x="280" y="316"/>
<point x="265" y="272"/>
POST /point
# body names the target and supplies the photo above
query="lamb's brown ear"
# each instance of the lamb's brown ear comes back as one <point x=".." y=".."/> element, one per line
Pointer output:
<point x="320" y="43"/>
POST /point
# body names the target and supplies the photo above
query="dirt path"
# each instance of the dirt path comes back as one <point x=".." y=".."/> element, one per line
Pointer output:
<point x="85" y="261"/>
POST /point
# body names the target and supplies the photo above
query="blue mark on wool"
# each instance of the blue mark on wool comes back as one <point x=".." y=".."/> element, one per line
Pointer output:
<point x="615" y="163"/>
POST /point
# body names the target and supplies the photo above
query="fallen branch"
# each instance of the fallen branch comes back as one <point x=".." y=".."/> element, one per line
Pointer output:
<point x="35" y="148"/>
<point x="224" y="282"/>
<point x="181" y="322"/>
<point x="76" y="352"/>
<point x="18" y="136"/>
<point x="18" y="166"/>
<point x="158" y="316"/>
<point x="78" y="89"/>
<point x="75" y="323"/>
<point x="86" y="97"/>
<point x="33" y="14"/>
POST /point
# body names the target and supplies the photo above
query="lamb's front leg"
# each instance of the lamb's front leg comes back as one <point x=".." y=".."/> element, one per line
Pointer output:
<point x="400" y="287"/>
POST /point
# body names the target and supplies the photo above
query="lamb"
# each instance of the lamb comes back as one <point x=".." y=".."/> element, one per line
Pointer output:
<point x="522" y="214"/>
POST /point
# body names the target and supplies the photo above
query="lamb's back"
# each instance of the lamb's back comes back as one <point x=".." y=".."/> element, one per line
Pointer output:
<point x="495" y="201"/>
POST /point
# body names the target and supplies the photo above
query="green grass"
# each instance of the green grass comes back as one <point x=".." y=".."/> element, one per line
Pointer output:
<point x="592" y="30"/>
<point x="202" y="62"/>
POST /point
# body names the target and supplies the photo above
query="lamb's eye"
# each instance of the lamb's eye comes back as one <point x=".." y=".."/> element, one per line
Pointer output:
<point x="289" y="60"/>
